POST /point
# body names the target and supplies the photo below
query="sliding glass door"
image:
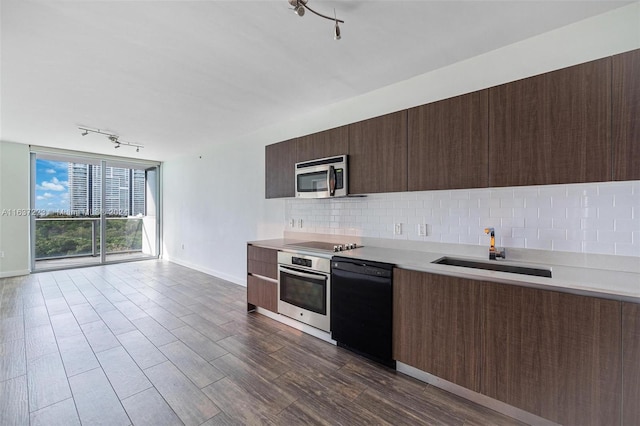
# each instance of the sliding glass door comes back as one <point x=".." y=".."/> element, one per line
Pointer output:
<point x="91" y="211"/>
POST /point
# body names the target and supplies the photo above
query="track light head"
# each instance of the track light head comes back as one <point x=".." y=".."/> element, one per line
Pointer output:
<point x="299" y="7"/>
<point x="85" y="133"/>
<point x="117" y="145"/>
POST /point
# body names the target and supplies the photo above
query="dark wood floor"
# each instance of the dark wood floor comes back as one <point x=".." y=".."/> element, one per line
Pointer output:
<point x="159" y="344"/>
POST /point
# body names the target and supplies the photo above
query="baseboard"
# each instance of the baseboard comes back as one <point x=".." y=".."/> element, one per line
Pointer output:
<point x="9" y="274"/>
<point x="208" y="271"/>
<point x="478" y="398"/>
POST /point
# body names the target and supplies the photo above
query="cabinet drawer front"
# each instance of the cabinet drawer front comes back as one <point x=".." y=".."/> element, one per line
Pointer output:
<point x="262" y="261"/>
<point x="262" y="254"/>
<point x="269" y="270"/>
<point x="262" y="293"/>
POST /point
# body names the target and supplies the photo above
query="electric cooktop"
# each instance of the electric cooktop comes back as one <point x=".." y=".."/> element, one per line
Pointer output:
<point x="324" y="246"/>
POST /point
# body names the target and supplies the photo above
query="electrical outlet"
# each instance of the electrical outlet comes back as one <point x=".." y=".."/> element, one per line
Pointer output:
<point x="292" y="223"/>
<point x="1" y="255"/>
<point x="299" y="223"/>
<point x="397" y="229"/>
<point x="422" y="229"/>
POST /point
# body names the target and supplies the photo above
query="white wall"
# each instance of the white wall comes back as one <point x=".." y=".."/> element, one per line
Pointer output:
<point x="214" y="204"/>
<point x="14" y="205"/>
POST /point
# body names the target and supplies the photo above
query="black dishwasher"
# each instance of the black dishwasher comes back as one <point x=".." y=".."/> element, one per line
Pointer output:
<point x="362" y="307"/>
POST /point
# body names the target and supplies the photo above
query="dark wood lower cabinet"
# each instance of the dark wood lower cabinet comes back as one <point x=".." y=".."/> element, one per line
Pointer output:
<point x="553" y="354"/>
<point x="630" y="364"/>
<point x="262" y="276"/>
<point x="435" y="325"/>
<point x="556" y="355"/>
<point x="263" y="293"/>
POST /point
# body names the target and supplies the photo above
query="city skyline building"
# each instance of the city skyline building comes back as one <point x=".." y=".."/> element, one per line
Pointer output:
<point x="124" y="190"/>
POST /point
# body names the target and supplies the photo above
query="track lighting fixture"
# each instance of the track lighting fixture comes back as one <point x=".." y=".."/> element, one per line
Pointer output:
<point x="113" y="138"/>
<point x="299" y="7"/>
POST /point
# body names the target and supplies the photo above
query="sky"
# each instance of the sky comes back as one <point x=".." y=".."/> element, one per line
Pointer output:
<point x="52" y="185"/>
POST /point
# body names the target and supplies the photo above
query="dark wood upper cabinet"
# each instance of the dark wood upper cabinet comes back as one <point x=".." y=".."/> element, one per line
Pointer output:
<point x="280" y="159"/>
<point x="448" y="145"/>
<point x="626" y="116"/>
<point x="378" y="154"/>
<point x="631" y="363"/>
<point x="552" y="128"/>
<point x="323" y="144"/>
<point x="553" y="354"/>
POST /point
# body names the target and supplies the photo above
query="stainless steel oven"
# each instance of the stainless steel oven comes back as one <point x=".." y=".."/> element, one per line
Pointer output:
<point x="304" y="288"/>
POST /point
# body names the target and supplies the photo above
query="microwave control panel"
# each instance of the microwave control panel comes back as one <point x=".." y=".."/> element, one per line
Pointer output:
<point x="339" y="178"/>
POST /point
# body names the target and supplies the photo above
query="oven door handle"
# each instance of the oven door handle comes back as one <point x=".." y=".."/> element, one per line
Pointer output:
<point x="302" y="274"/>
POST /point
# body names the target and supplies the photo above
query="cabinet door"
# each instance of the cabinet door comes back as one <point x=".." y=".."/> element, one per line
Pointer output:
<point x="448" y="143"/>
<point x="552" y="354"/>
<point x="436" y="325"/>
<point x="552" y="128"/>
<point x="631" y="363"/>
<point x="262" y="293"/>
<point x="323" y="144"/>
<point x="280" y="159"/>
<point x="625" y="116"/>
<point x="378" y="154"/>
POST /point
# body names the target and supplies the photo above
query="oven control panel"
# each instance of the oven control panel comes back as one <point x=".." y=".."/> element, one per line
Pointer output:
<point x="301" y="261"/>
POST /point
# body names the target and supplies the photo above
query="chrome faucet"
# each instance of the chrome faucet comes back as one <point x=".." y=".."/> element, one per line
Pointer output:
<point x="494" y="253"/>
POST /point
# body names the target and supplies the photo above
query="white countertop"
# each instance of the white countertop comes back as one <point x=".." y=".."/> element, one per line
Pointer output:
<point x="609" y="284"/>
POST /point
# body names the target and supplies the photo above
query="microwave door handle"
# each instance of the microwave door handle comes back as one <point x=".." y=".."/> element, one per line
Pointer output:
<point x="302" y="274"/>
<point x="332" y="181"/>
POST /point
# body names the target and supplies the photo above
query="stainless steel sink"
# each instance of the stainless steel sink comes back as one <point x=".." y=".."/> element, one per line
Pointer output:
<point x="494" y="266"/>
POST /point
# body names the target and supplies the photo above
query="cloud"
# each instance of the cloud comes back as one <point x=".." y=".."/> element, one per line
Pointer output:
<point x="50" y="171"/>
<point x="53" y="185"/>
<point x="46" y="196"/>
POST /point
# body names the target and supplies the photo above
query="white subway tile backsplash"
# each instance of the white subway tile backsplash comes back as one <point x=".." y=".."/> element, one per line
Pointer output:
<point x="501" y="212"/>
<point x="601" y="218"/>
<point x="615" y="188"/>
<point x="627" y="225"/>
<point x="614" y="237"/>
<point x="563" y="245"/>
<point x="582" y="212"/>
<point x="596" y="247"/>
<point x="535" y="243"/>
<point x="552" y="234"/>
<point x="625" y="249"/>
<point x="615" y="213"/>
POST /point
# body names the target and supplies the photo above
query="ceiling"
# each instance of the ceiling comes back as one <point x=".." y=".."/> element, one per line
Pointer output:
<point x="180" y="76"/>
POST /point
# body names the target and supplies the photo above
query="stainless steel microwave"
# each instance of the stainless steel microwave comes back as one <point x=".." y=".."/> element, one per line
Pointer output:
<point x="322" y="178"/>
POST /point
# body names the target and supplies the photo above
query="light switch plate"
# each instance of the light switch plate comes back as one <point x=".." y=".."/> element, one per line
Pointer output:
<point x="397" y="229"/>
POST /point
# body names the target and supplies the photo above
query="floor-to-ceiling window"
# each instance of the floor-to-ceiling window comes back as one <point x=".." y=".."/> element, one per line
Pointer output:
<point x="92" y="210"/>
